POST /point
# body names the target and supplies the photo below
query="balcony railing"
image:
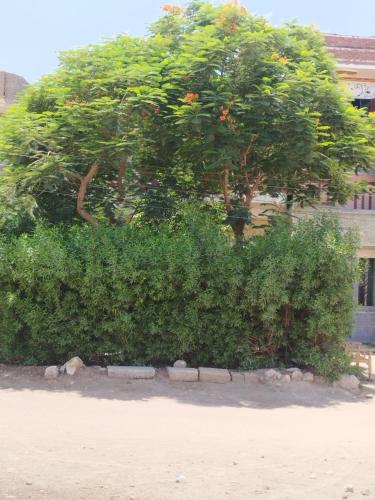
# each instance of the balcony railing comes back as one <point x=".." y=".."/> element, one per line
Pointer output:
<point x="365" y="201"/>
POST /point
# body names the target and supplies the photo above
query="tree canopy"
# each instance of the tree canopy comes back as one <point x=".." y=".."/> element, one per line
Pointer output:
<point x="213" y="102"/>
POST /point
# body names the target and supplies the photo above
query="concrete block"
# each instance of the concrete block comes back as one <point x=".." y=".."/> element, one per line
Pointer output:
<point x="308" y="377"/>
<point x="131" y="372"/>
<point x="216" y="375"/>
<point x="182" y="374"/>
<point x="238" y="377"/>
<point x="252" y="376"/>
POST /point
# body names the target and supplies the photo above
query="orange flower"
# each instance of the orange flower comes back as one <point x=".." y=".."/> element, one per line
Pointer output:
<point x="278" y="57"/>
<point x="222" y="118"/>
<point x="225" y="111"/>
<point x="174" y="10"/>
<point x="191" y="97"/>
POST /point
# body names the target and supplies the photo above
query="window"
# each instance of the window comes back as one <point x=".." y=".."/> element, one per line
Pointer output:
<point x="368" y="104"/>
<point x="366" y="289"/>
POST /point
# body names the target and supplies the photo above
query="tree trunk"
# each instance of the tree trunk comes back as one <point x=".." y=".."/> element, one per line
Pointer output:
<point x="225" y="190"/>
<point x="123" y="165"/>
<point x="85" y="182"/>
<point x="238" y="228"/>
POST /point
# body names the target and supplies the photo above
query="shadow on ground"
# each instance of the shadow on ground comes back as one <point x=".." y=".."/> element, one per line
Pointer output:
<point x="94" y="383"/>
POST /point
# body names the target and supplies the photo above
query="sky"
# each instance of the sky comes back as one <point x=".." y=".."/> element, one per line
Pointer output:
<point x="33" y="32"/>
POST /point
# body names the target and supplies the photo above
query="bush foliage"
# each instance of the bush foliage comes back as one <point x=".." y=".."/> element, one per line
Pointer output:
<point x="140" y="295"/>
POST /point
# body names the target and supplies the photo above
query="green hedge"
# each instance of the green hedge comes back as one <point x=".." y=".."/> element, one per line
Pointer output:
<point x="140" y="295"/>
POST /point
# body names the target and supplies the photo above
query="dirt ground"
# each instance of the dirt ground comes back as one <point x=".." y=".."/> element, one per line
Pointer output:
<point x="90" y="437"/>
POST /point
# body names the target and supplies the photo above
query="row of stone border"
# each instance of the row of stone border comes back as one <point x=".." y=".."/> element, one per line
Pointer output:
<point x="181" y="373"/>
<point x="223" y="376"/>
<point x="214" y="375"/>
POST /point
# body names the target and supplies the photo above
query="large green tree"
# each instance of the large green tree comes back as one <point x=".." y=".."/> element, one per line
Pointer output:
<point x="214" y="101"/>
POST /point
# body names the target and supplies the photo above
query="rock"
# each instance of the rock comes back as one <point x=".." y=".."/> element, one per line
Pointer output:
<point x="349" y="489"/>
<point x="180" y="363"/>
<point x="62" y="369"/>
<point x="215" y="375"/>
<point x="180" y="478"/>
<point x="238" y="377"/>
<point x="348" y="382"/>
<point x="51" y="372"/>
<point x="271" y="376"/>
<point x="285" y="379"/>
<point x="73" y="365"/>
<point x="308" y="377"/>
<point x="366" y="493"/>
<point x="295" y="374"/>
<point x="182" y="374"/>
<point x="131" y="372"/>
<point x="251" y="377"/>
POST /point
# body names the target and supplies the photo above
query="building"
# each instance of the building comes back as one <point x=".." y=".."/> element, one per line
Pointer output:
<point x="10" y="86"/>
<point x="356" y="67"/>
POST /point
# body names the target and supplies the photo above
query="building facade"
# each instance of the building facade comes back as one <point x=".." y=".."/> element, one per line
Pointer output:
<point x="356" y="67"/>
<point x="10" y="86"/>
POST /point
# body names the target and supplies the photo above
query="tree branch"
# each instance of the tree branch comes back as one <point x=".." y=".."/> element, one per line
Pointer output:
<point x="249" y="149"/>
<point x="252" y="189"/>
<point x="123" y="165"/>
<point x="225" y="189"/>
<point x="85" y="182"/>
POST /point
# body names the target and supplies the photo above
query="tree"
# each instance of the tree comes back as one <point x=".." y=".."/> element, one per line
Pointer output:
<point x="214" y="102"/>
<point x="262" y="110"/>
<point x="83" y="123"/>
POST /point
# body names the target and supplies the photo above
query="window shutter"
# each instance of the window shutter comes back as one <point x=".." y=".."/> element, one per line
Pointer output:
<point x="371" y="106"/>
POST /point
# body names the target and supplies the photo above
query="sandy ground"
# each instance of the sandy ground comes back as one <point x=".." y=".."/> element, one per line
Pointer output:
<point x="97" y="438"/>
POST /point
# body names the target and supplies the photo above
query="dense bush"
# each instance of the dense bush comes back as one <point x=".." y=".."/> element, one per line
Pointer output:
<point x="142" y="295"/>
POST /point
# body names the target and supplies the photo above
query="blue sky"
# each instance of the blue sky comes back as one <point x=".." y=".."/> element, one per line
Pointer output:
<point x="34" y="31"/>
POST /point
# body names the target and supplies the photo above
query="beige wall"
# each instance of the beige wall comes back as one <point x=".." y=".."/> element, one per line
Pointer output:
<point x="362" y="220"/>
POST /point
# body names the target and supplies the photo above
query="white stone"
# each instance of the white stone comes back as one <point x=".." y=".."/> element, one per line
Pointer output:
<point x="285" y="379"/>
<point x="73" y="365"/>
<point x="238" y="377"/>
<point x="348" y="382"/>
<point x="295" y="374"/>
<point x="131" y="372"/>
<point x="216" y="375"/>
<point x="251" y="376"/>
<point x="308" y="377"/>
<point x="51" y="372"/>
<point x="271" y="376"/>
<point x="180" y="363"/>
<point x="182" y="374"/>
